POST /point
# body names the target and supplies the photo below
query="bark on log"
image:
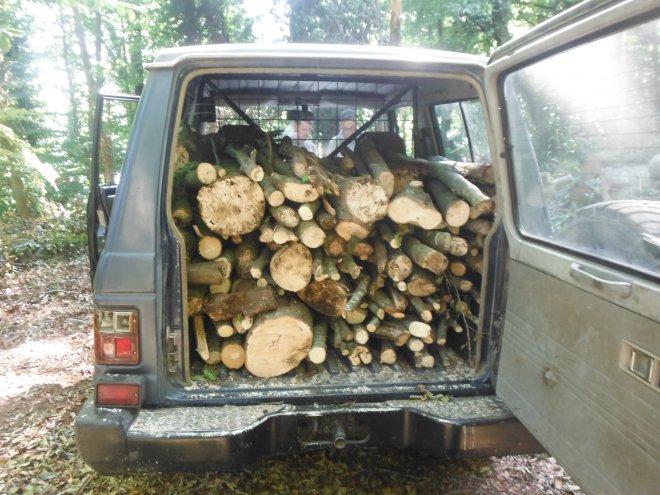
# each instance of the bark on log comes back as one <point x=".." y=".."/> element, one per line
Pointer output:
<point x="325" y="220"/>
<point x="422" y="309"/>
<point x="279" y="340"/>
<point x="274" y="196"/>
<point x="285" y="215"/>
<point x="245" y="254"/>
<point x="393" y="332"/>
<point x="328" y="297"/>
<point x="249" y="302"/>
<point x="208" y="272"/>
<point x="414" y="206"/>
<point x="232" y="205"/>
<point x="291" y="267"/>
<point x="421" y="283"/>
<point x="479" y="171"/>
<point x="444" y="242"/>
<point x="359" y="292"/>
<point x="293" y="189"/>
<point x="247" y="160"/>
<point x="425" y="256"/>
<point x="455" y="211"/>
<point x="196" y="294"/>
<point x="334" y="245"/>
<point x="376" y="165"/>
<point x="201" y="175"/>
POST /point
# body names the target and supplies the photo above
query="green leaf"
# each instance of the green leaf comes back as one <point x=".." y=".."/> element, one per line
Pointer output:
<point x="209" y="375"/>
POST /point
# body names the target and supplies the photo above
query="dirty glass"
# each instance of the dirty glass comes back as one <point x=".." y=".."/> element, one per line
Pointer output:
<point x="584" y="126"/>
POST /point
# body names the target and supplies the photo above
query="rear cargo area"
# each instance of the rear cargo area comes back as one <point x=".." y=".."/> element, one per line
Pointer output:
<point x="332" y="233"/>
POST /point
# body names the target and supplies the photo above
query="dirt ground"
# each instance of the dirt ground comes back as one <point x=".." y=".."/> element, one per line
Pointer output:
<point x="46" y="367"/>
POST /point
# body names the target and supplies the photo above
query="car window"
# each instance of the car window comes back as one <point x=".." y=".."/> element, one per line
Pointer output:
<point x="462" y="131"/>
<point x="584" y="129"/>
<point x="114" y="132"/>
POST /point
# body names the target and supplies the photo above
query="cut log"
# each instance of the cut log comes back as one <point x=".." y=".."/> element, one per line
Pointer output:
<point x="421" y="283"/>
<point x="279" y="340"/>
<point x="209" y="247"/>
<point x="343" y="332"/>
<point x="318" y="351"/>
<point x="182" y="211"/>
<point x="208" y="344"/>
<point x="443" y="325"/>
<point x="224" y="328"/>
<point x="328" y="297"/>
<point x="258" y="265"/>
<point x="247" y="160"/>
<point x="458" y="268"/>
<point x="310" y="234"/>
<point x="285" y="215"/>
<point x="291" y="267"/>
<point x="479" y="171"/>
<point x="273" y="196"/>
<point x="416" y="328"/>
<point x="360" y="333"/>
<point x="415" y="344"/>
<point x="422" y="309"/>
<point x="233" y="353"/>
<point x="376" y="165"/>
<point x="223" y="287"/>
<point x="478" y="226"/>
<point x="196" y="294"/>
<point x="200" y="175"/>
<point x="387" y="354"/>
<point x="245" y="254"/>
<point x="414" y="206"/>
<point x="293" y="189"/>
<point x="282" y="235"/>
<point x="306" y="211"/>
<point x="359" y="292"/>
<point x="444" y="242"/>
<point x="393" y="332"/>
<point x="209" y="272"/>
<point x="425" y="256"/>
<point x="455" y="211"/>
<point x="348" y="229"/>
<point x="399" y="266"/>
<point x="296" y="155"/>
<point x="232" y="205"/>
<point x="384" y="301"/>
<point x="330" y="268"/>
<point x="334" y="245"/>
<point x="361" y="200"/>
<point x="248" y="302"/>
<point x="325" y="220"/>
<point x="357" y="315"/>
<point x="423" y="359"/>
<point x="348" y="265"/>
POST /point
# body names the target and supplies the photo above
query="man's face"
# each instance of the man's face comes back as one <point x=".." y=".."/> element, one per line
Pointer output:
<point x="347" y="127"/>
<point x="305" y="129"/>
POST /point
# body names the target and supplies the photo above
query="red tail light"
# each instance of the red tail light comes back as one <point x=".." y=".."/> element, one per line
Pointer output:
<point x="116" y="337"/>
<point x="118" y="394"/>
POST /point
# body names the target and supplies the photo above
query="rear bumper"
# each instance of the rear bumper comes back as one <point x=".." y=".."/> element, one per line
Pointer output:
<point x="117" y="441"/>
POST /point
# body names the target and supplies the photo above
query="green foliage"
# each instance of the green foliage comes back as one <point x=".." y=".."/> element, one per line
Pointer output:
<point x="356" y="22"/>
<point x="23" y="240"/>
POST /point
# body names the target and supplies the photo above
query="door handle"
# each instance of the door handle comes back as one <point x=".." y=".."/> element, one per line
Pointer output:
<point x="614" y="287"/>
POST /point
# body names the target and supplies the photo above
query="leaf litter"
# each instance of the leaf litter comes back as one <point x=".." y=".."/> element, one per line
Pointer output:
<point x="45" y="310"/>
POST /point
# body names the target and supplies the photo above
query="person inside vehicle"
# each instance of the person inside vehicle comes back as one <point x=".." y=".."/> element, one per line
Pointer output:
<point x="347" y="126"/>
<point x="300" y="128"/>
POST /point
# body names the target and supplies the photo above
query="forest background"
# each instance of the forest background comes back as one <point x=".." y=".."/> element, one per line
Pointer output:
<point x="55" y="55"/>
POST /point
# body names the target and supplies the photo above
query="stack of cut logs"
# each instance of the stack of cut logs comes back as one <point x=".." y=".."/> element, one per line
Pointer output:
<point x="374" y="254"/>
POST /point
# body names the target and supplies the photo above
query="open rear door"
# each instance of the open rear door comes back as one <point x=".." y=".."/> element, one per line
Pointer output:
<point x="114" y="116"/>
<point x="575" y="108"/>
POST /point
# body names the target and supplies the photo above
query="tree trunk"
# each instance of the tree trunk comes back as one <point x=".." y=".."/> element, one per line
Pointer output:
<point x="279" y="340"/>
<point x="425" y="256"/>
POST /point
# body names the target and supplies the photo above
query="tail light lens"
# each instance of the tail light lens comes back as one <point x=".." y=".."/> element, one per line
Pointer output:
<point x="118" y="394"/>
<point x="116" y="337"/>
